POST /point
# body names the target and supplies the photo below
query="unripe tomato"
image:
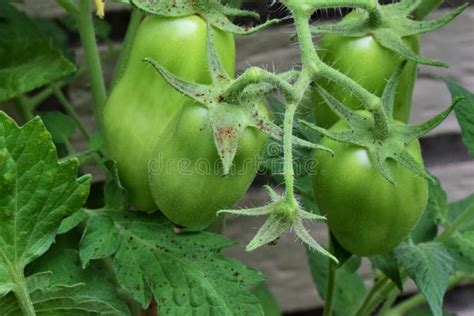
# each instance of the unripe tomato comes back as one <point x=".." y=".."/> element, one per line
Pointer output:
<point x="186" y="175"/>
<point x="142" y="103"/>
<point x="366" y="213"/>
<point x="371" y="65"/>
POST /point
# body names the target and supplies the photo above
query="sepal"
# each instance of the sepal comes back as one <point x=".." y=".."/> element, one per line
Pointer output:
<point x="390" y="26"/>
<point x="212" y="11"/>
<point x="363" y="130"/>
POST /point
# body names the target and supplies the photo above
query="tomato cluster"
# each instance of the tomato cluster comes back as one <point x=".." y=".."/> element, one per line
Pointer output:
<point x="162" y="140"/>
<point x="164" y="144"/>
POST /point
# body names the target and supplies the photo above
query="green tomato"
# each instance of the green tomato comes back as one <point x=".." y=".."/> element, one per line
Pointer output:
<point x="186" y="177"/>
<point x="368" y="63"/>
<point x="367" y="214"/>
<point x="143" y="103"/>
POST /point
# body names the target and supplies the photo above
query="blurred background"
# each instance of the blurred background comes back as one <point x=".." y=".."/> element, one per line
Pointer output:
<point x="285" y="264"/>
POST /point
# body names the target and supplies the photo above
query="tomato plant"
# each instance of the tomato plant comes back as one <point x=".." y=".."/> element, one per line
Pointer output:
<point x="142" y="104"/>
<point x="178" y="132"/>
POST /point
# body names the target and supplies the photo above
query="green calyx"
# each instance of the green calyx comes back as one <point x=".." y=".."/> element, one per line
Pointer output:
<point x="285" y="214"/>
<point x="230" y="116"/>
<point x="212" y="11"/>
<point x="388" y="24"/>
<point x="377" y="131"/>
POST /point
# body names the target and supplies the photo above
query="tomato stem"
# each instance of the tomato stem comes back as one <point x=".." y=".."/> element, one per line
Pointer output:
<point x="87" y="34"/>
<point x="369" y="100"/>
<point x="368" y="5"/>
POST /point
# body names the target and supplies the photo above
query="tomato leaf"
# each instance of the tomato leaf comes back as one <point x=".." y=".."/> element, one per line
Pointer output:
<point x="36" y="193"/>
<point x="349" y="287"/>
<point x="84" y="290"/>
<point x="464" y="112"/>
<point x="27" y="65"/>
<point x="184" y="272"/>
<point x="430" y="266"/>
<point x="28" y="59"/>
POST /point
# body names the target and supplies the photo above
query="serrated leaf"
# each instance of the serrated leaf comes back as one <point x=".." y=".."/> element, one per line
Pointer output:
<point x="464" y="112"/>
<point x="29" y="64"/>
<point x="36" y="193"/>
<point x="183" y="272"/>
<point x="59" y="125"/>
<point x="349" y="286"/>
<point x="15" y="24"/>
<point x="430" y="266"/>
<point x="387" y="263"/>
<point x="62" y="263"/>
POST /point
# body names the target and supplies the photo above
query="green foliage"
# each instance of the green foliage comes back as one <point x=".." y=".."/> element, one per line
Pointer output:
<point x="28" y="59"/>
<point x="35" y="195"/>
<point x="430" y="266"/>
<point x="58" y="256"/>
<point x="184" y="273"/>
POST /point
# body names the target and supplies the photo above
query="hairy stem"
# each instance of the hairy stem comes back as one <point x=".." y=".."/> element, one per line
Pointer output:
<point x="87" y="34"/>
<point x="135" y="20"/>
<point x="368" y="5"/>
<point x="288" y="170"/>
<point x="369" y="100"/>
<point x="307" y="53"/>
